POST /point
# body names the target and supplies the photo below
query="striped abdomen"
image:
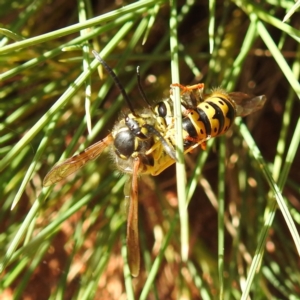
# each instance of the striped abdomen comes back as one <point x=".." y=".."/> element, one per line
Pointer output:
<point x="210" y="118"/>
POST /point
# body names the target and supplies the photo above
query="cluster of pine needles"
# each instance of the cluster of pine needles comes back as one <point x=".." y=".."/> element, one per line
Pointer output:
<point x="224" y="225"/>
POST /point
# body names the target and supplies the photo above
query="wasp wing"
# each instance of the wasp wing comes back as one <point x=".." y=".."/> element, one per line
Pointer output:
<point x="133" y="247"/>
<point x="72" y="164"/>
<point x="246" y="104"/>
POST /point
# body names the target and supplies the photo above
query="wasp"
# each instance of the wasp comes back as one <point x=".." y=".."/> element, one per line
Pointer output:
<point x="143" y="142"/>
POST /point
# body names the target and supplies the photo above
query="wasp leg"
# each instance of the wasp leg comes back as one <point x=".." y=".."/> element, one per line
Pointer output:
<point x="188" y="88"/>
<point x="152" y="131"/>
<point x="197" y="143"/>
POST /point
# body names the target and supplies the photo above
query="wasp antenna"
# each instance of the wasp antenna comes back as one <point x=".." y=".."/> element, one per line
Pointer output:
<point x="140" y="86"/>
<point x="116" y="80"/>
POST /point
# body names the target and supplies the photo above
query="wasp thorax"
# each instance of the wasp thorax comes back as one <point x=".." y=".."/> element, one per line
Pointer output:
<point x="124" y="143"/>
<point x="131" y="140"/>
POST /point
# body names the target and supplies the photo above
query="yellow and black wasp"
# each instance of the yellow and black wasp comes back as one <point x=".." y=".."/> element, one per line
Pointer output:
<point x="143" y="142"/>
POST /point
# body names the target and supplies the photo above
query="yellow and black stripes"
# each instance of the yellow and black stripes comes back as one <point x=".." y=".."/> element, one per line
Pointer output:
<point x="211" y="115"/>
<point x="210" y="118"/>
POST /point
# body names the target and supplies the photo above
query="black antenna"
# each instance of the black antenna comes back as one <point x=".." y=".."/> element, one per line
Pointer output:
<point x="140" y="86"/>
<point x="116" y="80"/>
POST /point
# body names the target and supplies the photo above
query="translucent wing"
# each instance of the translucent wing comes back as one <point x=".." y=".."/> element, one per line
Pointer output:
<point x="246" y="104"/>
<point x="133" y="247"/>
<point x="72" y="164"/>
